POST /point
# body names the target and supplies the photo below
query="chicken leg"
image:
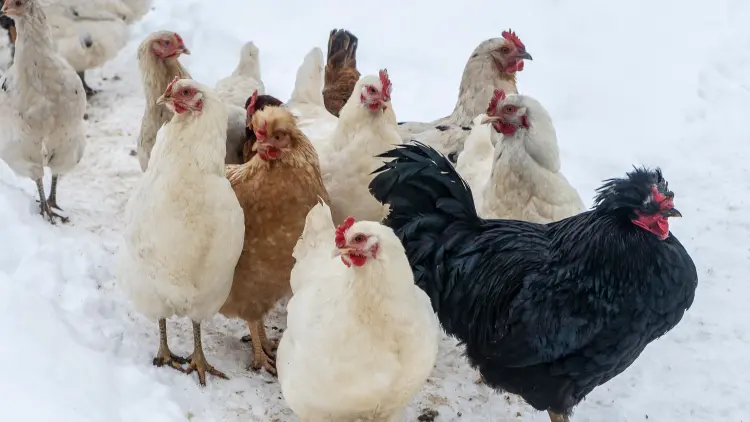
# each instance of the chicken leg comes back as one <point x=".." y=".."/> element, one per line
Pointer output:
<point x="44" y="205"/>
<point x="263" y="349"/>
<point x="165" y="356"/>
<point x="557" y="417"/>
<point x="198" y="359"/>
<point x="89" y="91"/>
<point x="52" y="200"/>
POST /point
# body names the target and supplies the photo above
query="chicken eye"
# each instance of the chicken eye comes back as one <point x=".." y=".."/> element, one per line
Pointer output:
<point x="18" y="3"/>
<point x="185" y="92"/>
<point x="510" y="109"/>
<point x="166" y="43"/>
<point x="372" y="90"/>
<point x="359" y="238"/>
<point x="505" y="50"/>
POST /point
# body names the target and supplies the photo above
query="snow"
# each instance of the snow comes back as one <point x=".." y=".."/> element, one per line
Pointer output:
<point x="657" y="83"/>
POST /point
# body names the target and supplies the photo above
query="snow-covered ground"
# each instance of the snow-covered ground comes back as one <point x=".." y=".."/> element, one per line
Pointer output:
<point x="634" y="82"/>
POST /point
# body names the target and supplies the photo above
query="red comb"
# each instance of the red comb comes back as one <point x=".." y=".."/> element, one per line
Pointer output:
<point x="179" y="39"/>
<point x="497" y="96"/>
<point x="386" y="82"/>
<point x="261" y="133"/>
<point x="251" y="104"/>
<point x="171" y="85"/>
<point x="512" y="37"/>
<point x="341" y="231"/>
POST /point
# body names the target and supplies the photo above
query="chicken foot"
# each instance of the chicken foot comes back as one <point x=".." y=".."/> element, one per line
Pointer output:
<point x="89" y="91"/>
<point x="52" y="199"/>
<point x="263" y="349"/>
<point x="557" y="417"/>
<point x="44" y="205"/>
<point x="165" y="356"/>
<point x="198" y="361"/>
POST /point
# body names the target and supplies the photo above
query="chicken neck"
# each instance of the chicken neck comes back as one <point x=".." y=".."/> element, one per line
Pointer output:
<point x="198" y="361"/>
<point x="165" y="356"/>
<point x="479" y="81"/>
<point x="33" y="44"/>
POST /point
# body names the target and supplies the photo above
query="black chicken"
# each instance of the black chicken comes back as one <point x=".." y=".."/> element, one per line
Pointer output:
<point x="548" y="312"/>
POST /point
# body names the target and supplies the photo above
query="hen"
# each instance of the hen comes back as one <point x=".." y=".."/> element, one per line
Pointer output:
<point x="366" y="128"/>
<point x="548" y="312"/>
<point x="183" y="223"/>
<point x="375" y="328"/>
<point x="493" y="64"/>
<point x="525" y="182"/>
<point x="236" y="88"/>
<point x="44" y="106"/>
<point x="306" y="101"/>
<point x="253" y="104"/>
<point x="341" y="72"/>
<point x="276" y="189"/>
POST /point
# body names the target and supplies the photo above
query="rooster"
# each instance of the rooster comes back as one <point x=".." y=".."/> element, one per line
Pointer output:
<point x="366" y="127"/>
<point x="341" y="74"/>
<point x="375" y="328"/>
<point x="183" y="223"/>
<point x="546" y="311"/>
<point x="525" y="182"/>
<point x="493" y="64"/>
<point x="276" y="189"/>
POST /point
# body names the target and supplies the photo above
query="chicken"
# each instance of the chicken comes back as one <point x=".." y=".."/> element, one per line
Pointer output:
<point x="88" y="34"/>
<point x="306" y="102"/>
<point x="546" y="311"/>
<point x="183" y="223"/>
<point x="493" y="64"/>
<point x="10" y="26"/>
<point x="475" y="162"/>
<point x="375" y="329"/>
<point x="254" y="103"/>
<point x="239" y="86"/>
<point x="158" y="58"/>
<point x="366" y="128"/>
<point x="276" y="189"/>
<point x="341" y="72"/>
<point x="44" y="105"/>
<point x="525" y="182"/>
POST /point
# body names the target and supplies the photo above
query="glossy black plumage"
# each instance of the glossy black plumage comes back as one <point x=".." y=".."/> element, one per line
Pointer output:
<point x="548" y="312"/>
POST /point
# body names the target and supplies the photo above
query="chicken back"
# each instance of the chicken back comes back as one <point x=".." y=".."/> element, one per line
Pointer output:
<point x="547" y="311"/>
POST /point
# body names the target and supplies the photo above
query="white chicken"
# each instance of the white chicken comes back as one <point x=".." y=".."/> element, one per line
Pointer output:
<point x="366" y="127"/>
<point x="493" y="64"/>
<point x="361" y="337"/>
<point x="184" y="227"/>
<point x="43" y="106"/>
<point x="88" y="35"/>
<point x="240" y="85"/>
<point x="475" y="161"/>
<point x="525" y="182"/>
<point x="306" y="102"/>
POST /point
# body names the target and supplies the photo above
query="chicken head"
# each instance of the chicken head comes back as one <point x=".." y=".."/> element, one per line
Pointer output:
<point x="355" y="244"/>
<point x="182" y="95"/>
<point x="507" y="113"/>
<point x="168" y="45"/>
<point x="18" y="7"/>
<point x="507" y="52"/>
<point x="375" y="96"/>
<point x="275" y="130"/>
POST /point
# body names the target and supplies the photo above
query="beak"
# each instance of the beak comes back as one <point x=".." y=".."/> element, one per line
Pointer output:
<point x="161" y="100"/>
<point x="673" y="213"/>
<point x="184" y="50"/>
<point x="340" y="251"/>
<point x="525" y="55"/>
<point x="489" y="119"/>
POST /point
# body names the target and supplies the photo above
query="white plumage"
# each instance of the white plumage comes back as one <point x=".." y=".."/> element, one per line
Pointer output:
<point x="360" y="341"/>
<point x="239" y="86"/>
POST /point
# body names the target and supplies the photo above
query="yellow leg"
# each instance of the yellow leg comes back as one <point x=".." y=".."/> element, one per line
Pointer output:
<point x="198" y="359"/>
<point x="556" y="417"/>
<point x="262" y="357"/>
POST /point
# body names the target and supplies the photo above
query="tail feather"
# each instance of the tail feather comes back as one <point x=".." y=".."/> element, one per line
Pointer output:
<point x="308" y="87"/>
<point x="420" y="182"/>
<point x="342" y="49"/>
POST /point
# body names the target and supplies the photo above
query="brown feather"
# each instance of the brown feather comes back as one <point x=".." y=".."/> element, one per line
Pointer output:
<point x="341" y="72"/>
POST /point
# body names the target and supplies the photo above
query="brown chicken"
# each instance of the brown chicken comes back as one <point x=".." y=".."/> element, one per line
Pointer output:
<point x="341" y="70"/>
<point x="254" y="103"/>
<point x="276" y="189"/>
